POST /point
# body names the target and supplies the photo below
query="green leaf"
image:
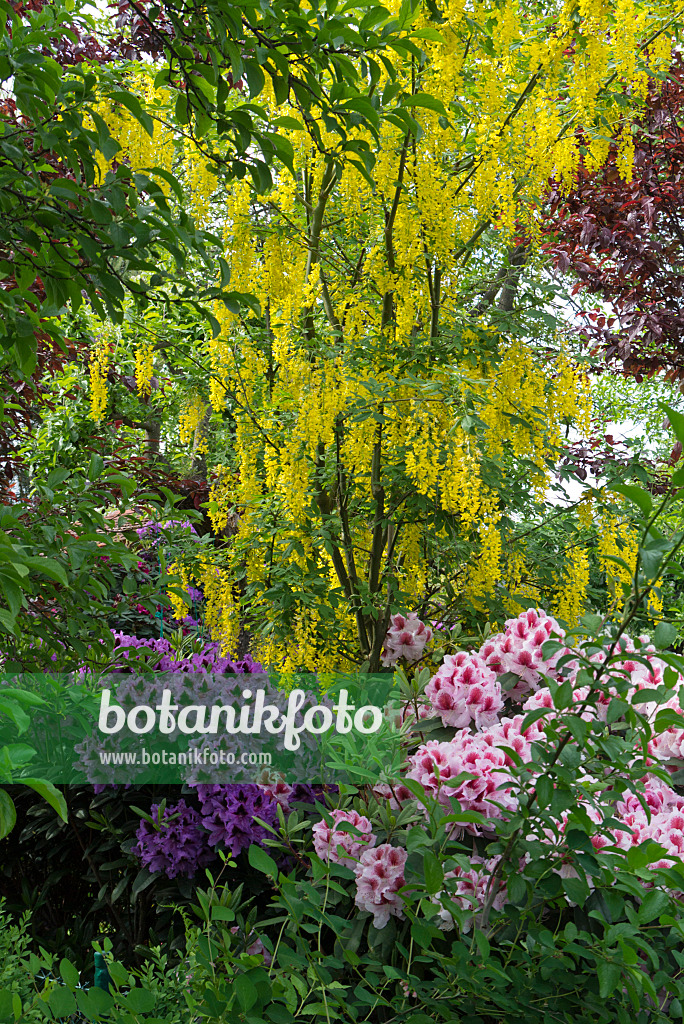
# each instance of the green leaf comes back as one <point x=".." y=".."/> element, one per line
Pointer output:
<point x="636" y="494"/>
<point x="423" y="99"/>
<point x="48" y="567"/>
<point x="260" y="861"/>
<point x="222" y="914"/>
<point x="133" y="104"/>
<point x="49" y="793"/>
<point x="577" y="890"/>
<point x="69" y="974"/>
<point x="544" y="790"/>
<point x="654" y="903"/>
<point x="665" y="635"/>
<point x="246" y="992"/>
<point x="140" y="1000"/>
<point x="96" y="466"/>
<point x="676" y="421"/>
<point x="434" y="873"/>
<point x="609" y="975"/>
<point x="61" y="1001"/>
<point x="8" y="814"/>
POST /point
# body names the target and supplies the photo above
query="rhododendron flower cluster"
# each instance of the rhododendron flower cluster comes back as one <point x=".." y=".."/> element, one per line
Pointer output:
<point x="178" y="847"/>
<point x="208" y="660"/>
<point x="152" y="529"/>
<point x="228" y="812"/>
<point x="406" y="638"/>
<point x="379" y="877"/>
<point x="465" y="690"/>
<point x="519" y="649"/>
<point x="468" y="890"/>
<point x="435" y="764"/>
<point x="339" y="846"/>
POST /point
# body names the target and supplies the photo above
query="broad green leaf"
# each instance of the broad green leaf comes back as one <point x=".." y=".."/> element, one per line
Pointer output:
<point x="635" y="494"/>
<point x="49" y="793"/>
<point x="8" y="814"/>
<point x="609" y="974"/>
<point x="260" y="861"/>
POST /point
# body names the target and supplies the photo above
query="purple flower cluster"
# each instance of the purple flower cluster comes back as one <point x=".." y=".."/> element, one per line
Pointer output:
<point x="152" y="529"/>
<point x="228" y="813"/>
<point x="209" y="660"/>
<point x="179" y="847"/>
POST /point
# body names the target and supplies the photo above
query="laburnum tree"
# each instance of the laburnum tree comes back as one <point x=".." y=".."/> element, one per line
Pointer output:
<point x="620" y="232"/>
<point x="83" y="225"/>
<point x="390" y="419"/>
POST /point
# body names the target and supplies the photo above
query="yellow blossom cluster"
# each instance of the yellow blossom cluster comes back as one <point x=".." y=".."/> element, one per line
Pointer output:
<point x="191" y="416"/>
<point x="138" y="148"/>
<point x="99" y="367"/>
<point x="617" y="540"/>
<point x="570" y="604"/>
<point x="178" y="605"/>
<point x="144" y="367"/>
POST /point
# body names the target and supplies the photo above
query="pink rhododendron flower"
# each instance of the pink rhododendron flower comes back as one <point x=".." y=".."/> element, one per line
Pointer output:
<point x="406" y="638"/>
<point x="597" y="708"/>
<point x="379" y="876"/>
<point x="397" y="794"/>
<point x="465" y="690"/>
<point x="469" y="891"/>
<point x="279" y="790"/>
<point x="435" y="763"/>
<point x="327" y="840"/>
<point x="506" y="733"/>
<point x="668" y="744"/>
<point x="656" y="794"/>
<point x="519" y="649"/>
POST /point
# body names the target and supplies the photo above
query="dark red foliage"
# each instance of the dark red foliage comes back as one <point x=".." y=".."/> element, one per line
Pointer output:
<point x="624" y="243"/>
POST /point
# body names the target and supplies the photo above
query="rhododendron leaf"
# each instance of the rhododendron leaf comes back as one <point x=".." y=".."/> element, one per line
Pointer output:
<point x="646" y="696"/>
<point x="8" y="814"/>
<point x="653" y="905"/>
<point x="434" y="873"/>
<point x="260" y="861"/>
<point x="466" y="816"/>
<point x="616" y="709"/>
<point x="667" y="719"/>
<point x="592" y="622"/>
<point x="544" y="790"/>
<point x="562" y="698"/>
<point x="516" y="887"/>
<point x="533" y="716"/>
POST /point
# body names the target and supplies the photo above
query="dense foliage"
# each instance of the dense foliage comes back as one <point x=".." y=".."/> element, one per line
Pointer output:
<point x="287" y="383"/>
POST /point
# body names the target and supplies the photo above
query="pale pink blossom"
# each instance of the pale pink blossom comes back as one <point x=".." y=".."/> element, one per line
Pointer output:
<point x="379" y="876"/>
<point x="397" y="794"/>
<point x="468" y="890"/>
<point x="465" y="690"/>
<point x="507" y="733"/>
<point x="339" y="846"/>
<point x="279" y="790"/>
<point x="435" y="763"/>
<point x="519" y="649"/>
<point x="406" y="638"/>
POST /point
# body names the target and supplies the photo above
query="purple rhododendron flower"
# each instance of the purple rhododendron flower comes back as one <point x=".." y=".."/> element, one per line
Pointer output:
<point x="179" y="847"/>
<point x="228" y="814"/>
